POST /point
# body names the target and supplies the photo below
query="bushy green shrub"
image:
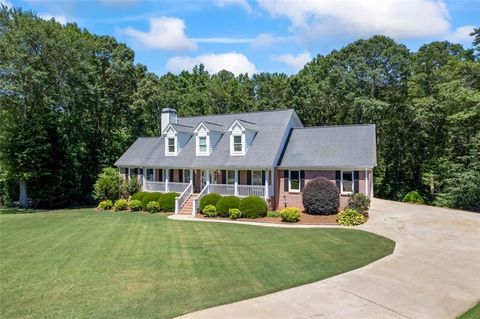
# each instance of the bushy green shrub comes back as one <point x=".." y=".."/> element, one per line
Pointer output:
<point x="105" y="204"/>
<point x="350" y="217"/>
<point x="290" y="214"/>
<point x="413" y="197"/>
<point x="210" y="211"/>
<point x="153" y="207"/>
<point x="138" y="196"/>
<point x="135" y="205"/>
<point x="167" y="202"/>
<point x="121" y="204"/>
<point x="150" y="197"/>
<point x="107" y="185"/>
<point x="130" y="187"/>
<point x="253" y="207"/>
<point x="359" y="202"/>
<point x="274" y="214"/>
<point x="225" y="204"/>
<point x="209" y="199"/>
<point x="234" y="213"/>
<point x="321" y="197"/>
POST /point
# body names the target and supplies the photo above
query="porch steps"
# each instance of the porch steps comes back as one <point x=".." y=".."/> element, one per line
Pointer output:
<point x="186" y="209"/>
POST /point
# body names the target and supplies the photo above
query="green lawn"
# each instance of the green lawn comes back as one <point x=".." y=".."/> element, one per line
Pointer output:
<point x="88" y="264"/>
<point x="473" y="313"/>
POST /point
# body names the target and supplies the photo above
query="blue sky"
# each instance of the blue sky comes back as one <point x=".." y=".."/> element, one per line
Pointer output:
<point x="261" y="35"/>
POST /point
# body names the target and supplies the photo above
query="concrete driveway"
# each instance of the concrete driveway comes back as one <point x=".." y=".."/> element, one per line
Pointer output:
<point x="434" y="272"/>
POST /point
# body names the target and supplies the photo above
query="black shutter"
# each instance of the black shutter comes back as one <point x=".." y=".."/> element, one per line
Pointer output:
<point x="285" y="181"/>
<point x="302" y="180"/>
<point x="337" y="179"/>
<point x="180" y="175"/>
<point x="249" y="177"/>
<point x="160" y="175"/>
<point x="355" y="181"/>
<point x="263" y="178"/>
<point x="224" y="176"/>
<point x="170" y="175"/>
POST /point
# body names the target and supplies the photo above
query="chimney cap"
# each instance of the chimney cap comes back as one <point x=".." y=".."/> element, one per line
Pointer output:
<point x="168" y="110"/>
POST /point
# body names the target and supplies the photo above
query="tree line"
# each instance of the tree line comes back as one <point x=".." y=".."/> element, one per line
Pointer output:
<point x="72" y="102"/>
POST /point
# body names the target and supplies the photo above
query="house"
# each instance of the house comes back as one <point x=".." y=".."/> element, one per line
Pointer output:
<point x="267" y="154"/>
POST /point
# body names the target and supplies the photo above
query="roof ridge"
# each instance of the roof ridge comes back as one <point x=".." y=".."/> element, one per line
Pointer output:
<point x="223" y="114"/>
<point x="332" y="126"/>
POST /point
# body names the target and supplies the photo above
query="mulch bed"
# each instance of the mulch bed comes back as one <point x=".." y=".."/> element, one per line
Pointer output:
<point x="305" y="219"/>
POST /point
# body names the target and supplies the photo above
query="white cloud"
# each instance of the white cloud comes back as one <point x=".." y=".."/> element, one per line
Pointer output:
<point x="263" y="39"/>
<point x="396" y="18"/>
<point x="6" y="3"/>
<point x="234" y="62"/>
<point x="165" y="33"/>
<point x="241" y="3"/>
<point x="62" y="19"/>
<point x="461" y="35"/>
<point x="296" y="62"/>
<point x="266" y="40"/>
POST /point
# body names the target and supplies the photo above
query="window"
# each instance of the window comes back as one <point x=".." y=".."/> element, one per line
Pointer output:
<point x="294" y="181"/>
<point x="202" y="144"/>
<point x="150" y="175"/>
<point x="347" y="182"/>
<point x="186" y="176"/>
<point x="171" y="145"/>
<point x="257" y="178"/>
<point x="133" y="171"/>
<point x="230" y="177"/>
<point x="237" y="144"/>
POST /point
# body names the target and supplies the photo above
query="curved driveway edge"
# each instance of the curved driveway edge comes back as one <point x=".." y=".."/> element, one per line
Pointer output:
<point x="433" y="273"/>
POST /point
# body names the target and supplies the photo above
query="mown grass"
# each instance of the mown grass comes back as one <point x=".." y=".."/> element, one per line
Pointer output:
<point x="87" y="264"/>
<point x="473" y="313"/>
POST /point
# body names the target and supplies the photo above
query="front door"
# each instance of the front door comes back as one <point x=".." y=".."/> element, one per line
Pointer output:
<point x="199" y="180"/>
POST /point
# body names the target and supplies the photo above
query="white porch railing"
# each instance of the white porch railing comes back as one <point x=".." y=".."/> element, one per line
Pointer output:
<point x="223" y="189"/>
<point x="196" y="200"/>
<point x="251" y="190"/>
<point x="177" y="187"/>
<point x="150" y="186"/>
<point x="180" y="200"/>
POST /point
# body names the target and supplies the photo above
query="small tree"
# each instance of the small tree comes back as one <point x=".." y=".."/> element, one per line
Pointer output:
<point x="320" y="196"/>
<point x="107" y="185"/>
<point x="130" y="187"/>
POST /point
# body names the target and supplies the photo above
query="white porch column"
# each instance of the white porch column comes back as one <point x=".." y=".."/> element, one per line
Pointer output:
<point x="191" y="175"/>
<point x="236" y="183"/>
<point x="167" y="177"/>
<point x="366" y="181"/>
<point x="144" y="180"/>
<point x="266" y="184"/>
<point x="207" y="172"/>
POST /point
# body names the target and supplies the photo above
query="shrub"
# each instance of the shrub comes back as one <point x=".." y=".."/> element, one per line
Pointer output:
<point x="320" y="196"/>
<point x="234" y="213"/>
<point x="253" y="207"/>
<point x="210" y="211"/>
<point x="350" y="217"/>
<point x="226" y="203"/>
<point x="153" y="207"/>
<point x="121" y="204"/>
<point x="413" y="197"/>
<point x="290" y="214"/>
<point x="135" y="205"/>
<point x="130" y="187"/>
<point x="274" y="214"/>
<point x="105" y="204"/>
<point x="150" y="197"/>
<point x="138" y="196"/>
<point x="167" y="202"/>
<point x="107" y="185"/>
<point x="359" y="202"/>
<point x="209" y="199"/>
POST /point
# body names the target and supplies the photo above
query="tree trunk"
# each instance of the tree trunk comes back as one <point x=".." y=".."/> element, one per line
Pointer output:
<point x="23" y="194"/>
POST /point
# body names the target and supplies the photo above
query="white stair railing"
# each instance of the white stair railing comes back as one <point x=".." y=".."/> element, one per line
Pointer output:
<point x="180" y="200"/>
<point x="196" y="200"/>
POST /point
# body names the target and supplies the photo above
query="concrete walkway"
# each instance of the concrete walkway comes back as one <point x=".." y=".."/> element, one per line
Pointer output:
<point x="434" y="272"/>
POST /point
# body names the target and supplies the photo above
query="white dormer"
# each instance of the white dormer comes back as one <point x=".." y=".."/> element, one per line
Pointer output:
<point x="241" y="137"/>
<point x="176" y="137"/>
<point x="206" y="138"/>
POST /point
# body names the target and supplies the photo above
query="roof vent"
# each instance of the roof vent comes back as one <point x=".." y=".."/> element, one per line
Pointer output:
<point x="169" y="116"/>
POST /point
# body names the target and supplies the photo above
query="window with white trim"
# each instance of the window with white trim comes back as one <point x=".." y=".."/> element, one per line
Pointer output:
<point x="293" y="181"/>
<point x="202" y="144"/>
<point x="171" y="144"/>
<point x="150" y="175"/>
<point x="230" y="177"/>
<point x="257" y="178"/>
<point x="346" y="181"/>
<point x="237" y="144"/>
<point x="186" y="176"/>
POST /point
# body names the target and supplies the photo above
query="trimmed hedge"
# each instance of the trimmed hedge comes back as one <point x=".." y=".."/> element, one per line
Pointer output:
<point x="210" y="211"/>
<point x="253" y="207"/>
<point x="153" y="207"/>
<point x="139" y="196"/>
<point x="167" y="202"/>
<point x="226" y="203"/>
<point x="413" y="197"/>
<point x="321" y="197"/>
<point x="135" y="205"/>
<point x="350" y="217"/>
<point x="120" y="204"/>
<point x="234" y="213"/>
<point x="290" y="214"/>
<point x="274" y="214"/>
<point x="209" y="199"/>
<point x="150" y="197"/>
<point x="105" y="204"/>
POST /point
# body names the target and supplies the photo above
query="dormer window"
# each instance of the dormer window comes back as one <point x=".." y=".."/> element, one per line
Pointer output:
<point x="205" y="139"/>
<point x="202" y="144"/>
<point x="242" y="134"/>
<point x="237" y="144"/>
<point x="171" y="145"/>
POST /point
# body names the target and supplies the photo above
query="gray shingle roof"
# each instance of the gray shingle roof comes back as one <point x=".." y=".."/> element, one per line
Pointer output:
<point x="271" y="128"/>
<point x="331" y="146"/>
